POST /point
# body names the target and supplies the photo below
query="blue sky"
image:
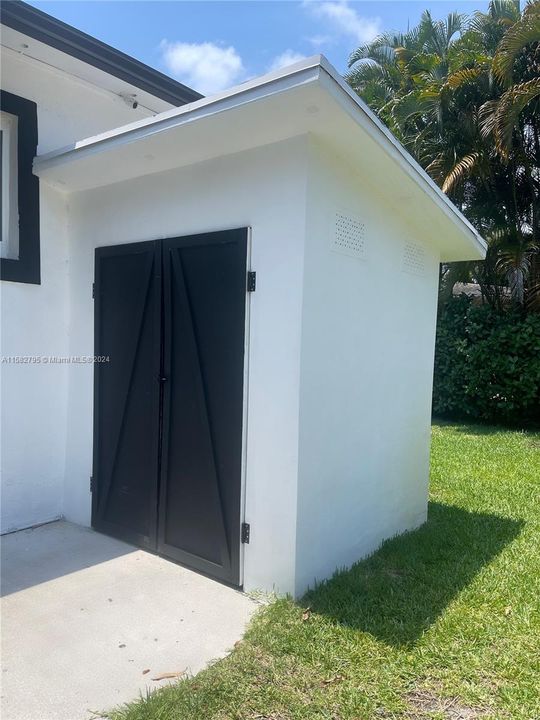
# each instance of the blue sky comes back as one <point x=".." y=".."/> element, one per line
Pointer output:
<point x="212" y="45"/>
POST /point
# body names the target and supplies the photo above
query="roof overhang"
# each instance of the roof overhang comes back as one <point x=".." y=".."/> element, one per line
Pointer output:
<point x="33" y="33"/>
<point x="308" y="97"/>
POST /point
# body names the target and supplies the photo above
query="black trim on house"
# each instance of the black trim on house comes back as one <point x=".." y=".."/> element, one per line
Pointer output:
<point x="27" y="268"/>
<point x="47" y="29"/>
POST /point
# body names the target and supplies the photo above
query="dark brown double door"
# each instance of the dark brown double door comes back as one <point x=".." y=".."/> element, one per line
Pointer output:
<point x="168" y="397"/>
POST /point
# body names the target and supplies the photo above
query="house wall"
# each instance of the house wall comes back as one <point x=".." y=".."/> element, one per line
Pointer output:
<point x="34" y="321"/>
<point x="34" y="318"/>
<point x="266" y="190"/>
<point x="69" y="109"/>
<point x="368" y="334"/>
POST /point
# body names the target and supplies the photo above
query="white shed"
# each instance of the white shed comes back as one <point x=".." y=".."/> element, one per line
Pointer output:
<point x="266" y="266"/>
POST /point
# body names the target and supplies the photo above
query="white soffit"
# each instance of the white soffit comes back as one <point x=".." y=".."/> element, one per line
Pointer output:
<point x="308" y="97"/>
<point x="28" y="47"/>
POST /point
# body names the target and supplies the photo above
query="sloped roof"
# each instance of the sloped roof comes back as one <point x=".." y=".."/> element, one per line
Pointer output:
<point x="308" y="97"/>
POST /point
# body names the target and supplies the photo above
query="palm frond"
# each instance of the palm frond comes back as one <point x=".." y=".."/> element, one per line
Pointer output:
<point x="407" y="107"/>
<point x="505" y="12"/>
<point x="382" y="47"/>
<point x="486" y="114"/>
<point x="381" y="53"/>
<point x="491" y="26"/>
<point x="532" y="7"/>
<point x="460" y="171"/>
<point x="427" y="61"/>
<point x="522" y="33"/>
<point x="367" y="73"/>
<point x="508" y="110"/>
<point x="437" y="168"/>
<point x="455" y="23"/>
<point x="465" y="76"/>
<point x="515" y="257"/>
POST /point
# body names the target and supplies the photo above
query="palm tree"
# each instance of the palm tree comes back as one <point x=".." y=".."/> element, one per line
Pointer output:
<point x="464" y="97"/>
<point x="385" y="72"/>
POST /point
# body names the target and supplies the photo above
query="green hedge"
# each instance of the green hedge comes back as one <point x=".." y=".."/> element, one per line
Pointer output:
<point x="487" y="364"/>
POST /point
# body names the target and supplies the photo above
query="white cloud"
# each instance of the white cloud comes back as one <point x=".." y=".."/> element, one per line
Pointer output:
<point x="318" y="40"/>
<point x="205" y="67"/>
<point x="288" y="57"/>
<point x="345" y="19"/>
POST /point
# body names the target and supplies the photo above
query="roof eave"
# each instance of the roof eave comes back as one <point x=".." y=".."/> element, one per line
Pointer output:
<point x="312" y="69"/>
<point x="306" y="71"/>
<point x="46" y="29"/>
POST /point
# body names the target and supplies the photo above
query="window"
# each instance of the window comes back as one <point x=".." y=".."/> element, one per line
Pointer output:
<point x="8" y="186"/>
<point x="19" y="190"/>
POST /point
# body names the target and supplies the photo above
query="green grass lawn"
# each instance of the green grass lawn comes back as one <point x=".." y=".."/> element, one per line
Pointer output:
<point x="443" y="622"/>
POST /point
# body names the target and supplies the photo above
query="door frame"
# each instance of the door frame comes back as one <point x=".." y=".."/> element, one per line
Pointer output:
<point x="245" y="410"/>
<point x="245" y="388"/>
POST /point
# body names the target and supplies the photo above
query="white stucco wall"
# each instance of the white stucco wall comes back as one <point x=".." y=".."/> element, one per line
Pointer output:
<point x="264" y="189"/>
<point x="34" y="322"/>
<point x="368" y="335"/>
<point x="34" y="318"/>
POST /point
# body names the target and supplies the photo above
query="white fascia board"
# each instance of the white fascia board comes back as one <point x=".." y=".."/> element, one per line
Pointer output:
<point x="274" y="83"/>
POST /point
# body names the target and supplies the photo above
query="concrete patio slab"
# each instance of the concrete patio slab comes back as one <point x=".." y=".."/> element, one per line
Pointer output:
<point x="84" y="616"/>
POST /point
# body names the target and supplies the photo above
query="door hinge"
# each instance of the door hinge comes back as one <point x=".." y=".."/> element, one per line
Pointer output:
<point x="93" y="291"/>
<point x="251" y="281"/>
<point x="245" y="533"/>
<point x="92" y="484"/>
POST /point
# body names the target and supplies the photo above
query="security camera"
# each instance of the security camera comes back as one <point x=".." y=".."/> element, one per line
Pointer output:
<point x="130" y="100"/>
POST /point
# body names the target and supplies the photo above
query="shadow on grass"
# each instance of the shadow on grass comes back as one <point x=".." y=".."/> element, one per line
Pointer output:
<point x="470" y="428"/>
<point x="397" y="593"/>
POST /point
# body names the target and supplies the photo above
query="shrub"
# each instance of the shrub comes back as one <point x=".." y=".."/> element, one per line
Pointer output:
<point x="487" y="363"/>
